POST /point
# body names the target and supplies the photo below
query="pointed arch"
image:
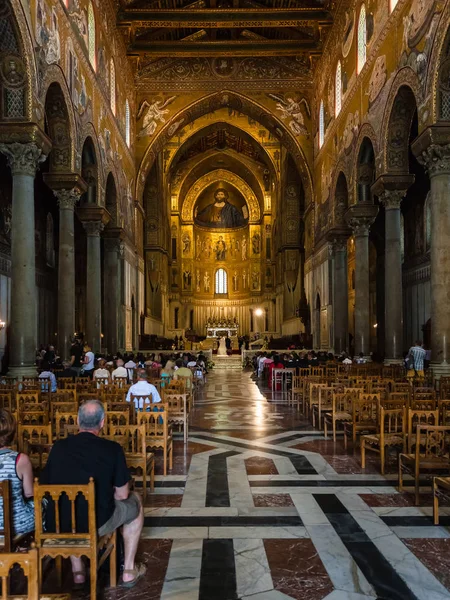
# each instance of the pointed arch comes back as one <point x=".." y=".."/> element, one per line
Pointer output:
<point x="246" y="106"/>
<point x="92" y="35"/>
<point x="321" y="124"/>
<point x="112" y="86"/>
<point x="221" y="282"/>
<point x="127" y="123"/>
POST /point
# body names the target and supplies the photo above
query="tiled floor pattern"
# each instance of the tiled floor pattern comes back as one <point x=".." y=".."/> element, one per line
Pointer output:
<point x="260" y="507"/>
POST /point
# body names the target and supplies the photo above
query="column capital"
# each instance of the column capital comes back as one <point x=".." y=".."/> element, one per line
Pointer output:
<point x="23" y="159"/>
<point x="92" y="213"/>
<point x="67" y="199"/>
<point x="337" y="239"/>
<point x="391" y="199"/>
<point x="114" y="245"/>
<point x="360" y="217"/>
<point x="432" y="150"/>
<point x="93" y="228"/>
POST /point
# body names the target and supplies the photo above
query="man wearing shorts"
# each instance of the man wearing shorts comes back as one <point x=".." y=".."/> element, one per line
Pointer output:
<point x="74" y="460"/>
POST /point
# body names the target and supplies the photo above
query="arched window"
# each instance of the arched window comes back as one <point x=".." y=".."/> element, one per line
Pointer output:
<point x="321" y="124"/>
<point x="112" y="86"/>
<point x="338" y="89"/>
<point x="91" y="36"/>
<point x="221" y="286"/>
<point x="362" y="38"/>
<point x="127" y="124"/>
<point x="393" y="4"/>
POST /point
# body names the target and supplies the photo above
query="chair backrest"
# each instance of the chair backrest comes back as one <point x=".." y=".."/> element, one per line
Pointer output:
<point x="7" y="400"/>
<point x="423" y="403"/>
<point x="343" y="402"/>
<point x="130" y="437"/>
<point x="65" y="395"/>
<point x="116" y="418"/>
<point x="84" y="384"/>
<point x="176" y="402"/>
<point x="366" y="409"/>
<point x="142" y="400"/>
<point x="417" y="418"/>
<point x="33" y="434"/>
<point x="188" y="381"/>
<point x="62" y="407"/>
<point x="33" y="414"/>
<point x="435" y="441"/>
<point x="6" y="532"/>
<point x="22" y="397"/>
<point x="392" y="421"/>
<point x="30" y="383"/>
<point x="404" y="396"/>
<point x="444" y="412"/>
<point x="63" y="419"/>
<point x="85" y="396"/>
<point x="100" y="382"/>
<point x="119" y="382"/>
<point x="70" y="385"/>
<point x="28" y="563"/>
<point x="66" y="514"/>
<point x="177" y="385"/>
<point x="155" y="419"/>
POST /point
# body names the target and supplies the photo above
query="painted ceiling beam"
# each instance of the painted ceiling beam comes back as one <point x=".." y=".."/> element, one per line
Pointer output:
<point x="223" y="48"/>
<point x="207" y="18"/>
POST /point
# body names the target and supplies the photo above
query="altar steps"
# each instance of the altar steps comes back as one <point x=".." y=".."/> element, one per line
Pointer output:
<point x="233" y="362"/>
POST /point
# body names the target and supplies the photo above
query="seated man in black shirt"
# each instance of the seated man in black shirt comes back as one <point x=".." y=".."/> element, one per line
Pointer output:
<point x="74" y="460"/>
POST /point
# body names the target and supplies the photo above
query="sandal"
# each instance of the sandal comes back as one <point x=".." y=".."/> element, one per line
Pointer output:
<point x="138" y="572"/>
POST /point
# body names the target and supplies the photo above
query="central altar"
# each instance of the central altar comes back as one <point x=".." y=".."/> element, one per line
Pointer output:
<point x="217" y="327"/>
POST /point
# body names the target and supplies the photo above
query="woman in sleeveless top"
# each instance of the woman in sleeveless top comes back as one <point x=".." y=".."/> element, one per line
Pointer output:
<point x="17" y="468"/>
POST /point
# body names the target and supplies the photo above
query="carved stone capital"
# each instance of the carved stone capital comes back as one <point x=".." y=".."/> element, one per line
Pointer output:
<point x="93" y="228"/>
<point x="436" y="159"/>
<point x="114" y="245"/>
<point x="360" y="217"/>
<point x="67" y="199"/>
<point x="23" y="159"/>
<point x="338" y="245"/>
<point x="391" y="199"/>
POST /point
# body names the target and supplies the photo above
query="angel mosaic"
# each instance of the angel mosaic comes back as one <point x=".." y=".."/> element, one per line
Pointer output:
<point x="291" y="110"/>
<point x="152" y="114"/>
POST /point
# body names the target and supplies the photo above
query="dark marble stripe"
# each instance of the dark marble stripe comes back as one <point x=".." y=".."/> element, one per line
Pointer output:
<point x="378" y="571"/>
<point x="414" y="521"/>
<point x="263" y="521"/>
<point x="322" y="483"/>
<point x="296" y="436"/>
<point x="218" y="572"/>
<point x="302" y="465"/>
<point x="285" y="453"/>
<point x="217" y="491"/>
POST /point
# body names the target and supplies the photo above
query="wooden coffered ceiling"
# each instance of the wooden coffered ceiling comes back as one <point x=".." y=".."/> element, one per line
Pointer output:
<point x="281" y="37"/>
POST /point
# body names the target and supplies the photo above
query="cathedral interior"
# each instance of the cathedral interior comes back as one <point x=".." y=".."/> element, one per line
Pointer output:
<point x="258" y="169"/>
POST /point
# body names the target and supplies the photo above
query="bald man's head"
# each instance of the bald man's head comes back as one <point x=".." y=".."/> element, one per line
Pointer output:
<point x="91" y="416"/>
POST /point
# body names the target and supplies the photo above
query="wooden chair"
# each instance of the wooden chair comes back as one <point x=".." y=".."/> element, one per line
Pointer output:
<point x="22" y="397"/>
<point x="59" y="544"/>
<point x="6" y="531"/>
<point x="62" y="381"/>
<point x="62" y="407"/>
<point x="141" y="402"/>
<point x="119" y="382"/>
<point x="313" y="398"/>
<point x="33" y="414"/>
<point x="189" y="387"/>
<point x="441" y="491"/>
<point x="158" y="434"/>
<point x="116" y="418"/>
<point x="132" y="440"/>
<point x="178" y="407"/>
<point x="396" y="400"/>
<point x="29" y="384"/>
<point x="85" y="396"/>
<point x="430" y="458"/>
<point x="341" y="411"/>
<point x="391" y="434"/>
<point x="365" y="410"/>
<point x="444" y="412"/>
<point x="65" y="395"/>
<point x="325" y="403"/>
<point x="122" y="406"/>
<point x="70" y="385"/>
<point x="8" y="401"/>
<point x="418" y="418"/>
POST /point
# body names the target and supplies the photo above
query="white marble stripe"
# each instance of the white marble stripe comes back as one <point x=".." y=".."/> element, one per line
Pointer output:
<point x="259" y="533"/>
<point x="182" y="581"/>
<point x="416" y="576"/>
<point x="288" y="477"/>
<point x="246" y="511"/>
<point x="271" y="595"/>
<point x="252" y="568"/>
<point x="341" y="595"/>
<point x="285" y="467"/>
<point x="238" y="485"/>
<point x="341" y="568"/>
<point x="175" y="533"/>
<point x="167" y="491"/>
<point x="421" y="533"/>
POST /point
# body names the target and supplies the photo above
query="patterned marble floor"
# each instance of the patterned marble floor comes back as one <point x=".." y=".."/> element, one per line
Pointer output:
<point x="258" y="506"/>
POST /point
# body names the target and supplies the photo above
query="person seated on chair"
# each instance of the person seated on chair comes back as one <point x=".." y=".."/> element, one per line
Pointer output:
<point x="66" y="372"/>
<point x="46" y="373"/>
<point x="120" y="371"/>
<point x="183" y="372"/>
<point x="143" y="388"/>
<point x="73" y="461"/>
<point x="276" y="364"/>
<point x="16" y="467"/>
<point x="102" y="371"/>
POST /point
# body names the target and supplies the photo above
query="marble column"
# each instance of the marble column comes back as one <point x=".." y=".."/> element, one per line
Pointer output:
<point x="340" y="294"/>
<point x="393" y="288"/>
<point x="360" y="217"/>
<point x="114" y="251"/>
<point x="93" y="285"/>
<point x="433" y="152"/>
<point x="23" y="160"/>
<point x="67" y="200"/>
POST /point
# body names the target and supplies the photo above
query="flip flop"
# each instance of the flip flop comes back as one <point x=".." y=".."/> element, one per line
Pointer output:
<point x="138" y="573"/>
